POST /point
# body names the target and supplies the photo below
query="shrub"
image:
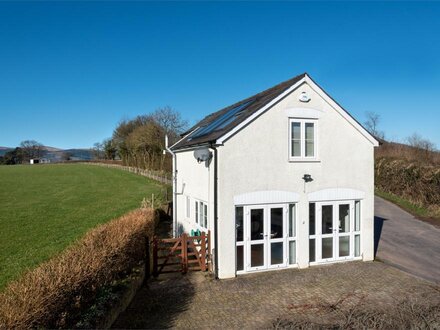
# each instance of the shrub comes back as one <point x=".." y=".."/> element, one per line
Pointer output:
<point x="54" y="294"/>
<point x="415" y="182"/>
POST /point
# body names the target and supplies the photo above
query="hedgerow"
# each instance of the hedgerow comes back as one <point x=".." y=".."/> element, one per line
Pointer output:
<point x="54" y="294"/>
<point x="416" y="182"/>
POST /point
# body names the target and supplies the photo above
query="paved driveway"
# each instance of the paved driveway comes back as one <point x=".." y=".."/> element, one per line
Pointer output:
<point x="405" y="242"/>
<point x="256" y="301"/>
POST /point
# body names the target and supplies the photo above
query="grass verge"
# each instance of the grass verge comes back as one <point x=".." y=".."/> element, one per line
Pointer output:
<point x="415" y="210"/>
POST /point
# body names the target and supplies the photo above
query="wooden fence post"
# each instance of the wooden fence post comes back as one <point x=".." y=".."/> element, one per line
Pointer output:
<point x="155" y="257"/>
<point x="184" y="253"/>
<point x="209" y="251"/>
<point x="203" y="251"/>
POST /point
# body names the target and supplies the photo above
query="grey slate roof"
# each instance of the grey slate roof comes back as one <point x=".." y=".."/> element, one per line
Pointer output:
<point x="258" y="101"/>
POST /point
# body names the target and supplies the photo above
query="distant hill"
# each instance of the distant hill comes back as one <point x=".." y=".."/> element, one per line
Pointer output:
<point x="57" y="154"/>
<point x="4" y="150"/>
<point x="406" y="152"/>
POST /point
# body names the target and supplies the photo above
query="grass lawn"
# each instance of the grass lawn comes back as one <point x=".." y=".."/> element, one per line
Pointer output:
<point x="44" y="208"/>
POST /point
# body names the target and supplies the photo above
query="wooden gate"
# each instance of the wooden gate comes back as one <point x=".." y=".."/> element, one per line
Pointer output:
<point x="181" y="254"/>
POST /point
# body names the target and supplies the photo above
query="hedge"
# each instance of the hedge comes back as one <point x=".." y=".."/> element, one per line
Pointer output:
<point x="54" y="294"/>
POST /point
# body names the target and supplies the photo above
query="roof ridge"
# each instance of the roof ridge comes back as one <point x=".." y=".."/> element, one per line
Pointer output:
<point x="212" y="116"/>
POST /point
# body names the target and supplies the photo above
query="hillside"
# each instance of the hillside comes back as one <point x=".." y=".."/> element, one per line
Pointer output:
<point x="57" y="154"/>
<point x="409" y="177"/>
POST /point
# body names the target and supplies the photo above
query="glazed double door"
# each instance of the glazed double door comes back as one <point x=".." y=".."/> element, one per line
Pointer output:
<point x="335" y="231"/>
<point x="266" y="236"/>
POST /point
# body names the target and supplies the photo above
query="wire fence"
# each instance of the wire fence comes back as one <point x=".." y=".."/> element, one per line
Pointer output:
<point x="161" y="177"/>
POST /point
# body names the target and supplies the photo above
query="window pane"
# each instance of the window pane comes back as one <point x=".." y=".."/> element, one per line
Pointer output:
<point x="292" y="220"/>
<point x="240" y="257"/>
<point x="327" y="219"/>
<point x="312" y="219"/>
<point x="201" y="214"/>
<point x="296" y="130"/>
<point x="310" y="139"/>
<point x="357" y="245"/>
<point x="205" y="216"/>
<point x="276" y="253"/>
<point x="344" y="218"/>
<point x="292" y="252"/>
<point x="276" y="222"/>
<point x="312" y="254"/>
<point x="197" y="211"/>
<point x="239" y="223"/>
<point x="327" y="248"/>
<point x="357" y="216"/>
<point x="296" y="148"/>
<point x="257" y="255"/>
<point x="344" y="246"/>
<point x="310" y="148"/>
<point x="310" y="128"/>
<point x="257" y="224"/>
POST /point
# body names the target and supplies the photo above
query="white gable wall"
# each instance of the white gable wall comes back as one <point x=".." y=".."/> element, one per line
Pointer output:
<point x="257" y="159"/>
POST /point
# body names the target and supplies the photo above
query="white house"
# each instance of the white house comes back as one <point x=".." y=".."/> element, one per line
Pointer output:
<point x="282" y="179"/>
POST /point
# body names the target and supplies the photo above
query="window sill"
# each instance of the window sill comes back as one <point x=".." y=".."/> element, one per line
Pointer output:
<point x="304" y="160"/>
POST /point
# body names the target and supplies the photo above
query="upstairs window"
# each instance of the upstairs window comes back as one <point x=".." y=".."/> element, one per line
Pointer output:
<point x="302" y="142"/>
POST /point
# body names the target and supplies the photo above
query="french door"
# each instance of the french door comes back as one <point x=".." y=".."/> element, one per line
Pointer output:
<point x="266" y="233"/>
<point x="334" y="230"/>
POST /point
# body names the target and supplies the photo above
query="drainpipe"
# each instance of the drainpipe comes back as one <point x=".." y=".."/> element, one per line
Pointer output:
<point x="174" y="186"/>
<point x="215" y="211"/>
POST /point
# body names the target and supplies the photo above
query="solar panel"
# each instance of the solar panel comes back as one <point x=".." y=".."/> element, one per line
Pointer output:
<point x="222" y="121"/>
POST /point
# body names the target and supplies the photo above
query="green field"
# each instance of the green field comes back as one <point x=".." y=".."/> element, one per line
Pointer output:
<point x="44" y="208"/>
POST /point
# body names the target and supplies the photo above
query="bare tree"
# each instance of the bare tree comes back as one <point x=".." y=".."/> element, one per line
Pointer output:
<point x="425" y="147"/>
<point x="31" y="149"/>
<point x="97" y="150"/>
<point x="170" y="120"/>
<point x="372" y="124"/>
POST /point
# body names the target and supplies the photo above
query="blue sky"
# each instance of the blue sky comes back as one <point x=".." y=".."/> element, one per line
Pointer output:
<point x="70" y="71"/>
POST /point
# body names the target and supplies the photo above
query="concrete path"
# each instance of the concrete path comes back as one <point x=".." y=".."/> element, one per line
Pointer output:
<point x="405" y="242"/>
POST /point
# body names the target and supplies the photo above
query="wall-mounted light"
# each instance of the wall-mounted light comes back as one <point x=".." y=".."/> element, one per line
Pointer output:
<point x="307" y="178"/>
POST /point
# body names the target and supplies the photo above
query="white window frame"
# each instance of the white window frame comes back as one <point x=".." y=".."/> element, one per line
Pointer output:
<point x="188" y="207"/>
<point x="286" y="239"/>
<point x="201" y="214"/>
<point x="303" y="123"/>
<point x="294" y="237"/>
<point x="352" y="234"/>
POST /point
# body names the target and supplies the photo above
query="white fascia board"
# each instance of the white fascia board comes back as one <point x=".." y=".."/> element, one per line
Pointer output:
<point x="223" y="138"/>
<point x="341" y="111"/>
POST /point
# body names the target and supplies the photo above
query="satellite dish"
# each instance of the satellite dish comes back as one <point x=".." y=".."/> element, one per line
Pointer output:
<point x="202" y="154"/>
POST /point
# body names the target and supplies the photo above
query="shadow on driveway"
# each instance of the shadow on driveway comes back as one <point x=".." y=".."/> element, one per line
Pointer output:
<point x="378" y="225"/>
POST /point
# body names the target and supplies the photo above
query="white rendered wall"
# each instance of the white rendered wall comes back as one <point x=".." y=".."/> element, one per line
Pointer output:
<point x="196" y="181"/>
<point x="256" y="159"/>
